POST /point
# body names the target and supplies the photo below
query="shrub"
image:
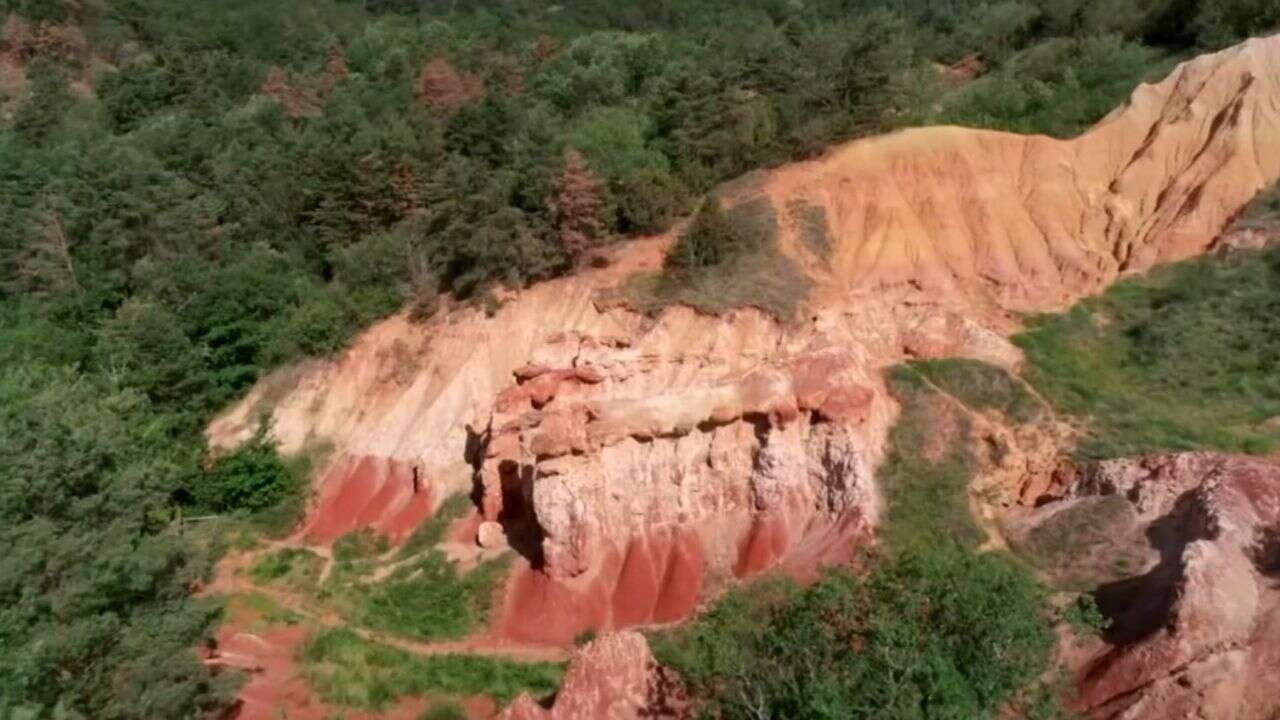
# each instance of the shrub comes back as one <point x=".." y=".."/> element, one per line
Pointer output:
<point x="251" y="478"/>
<point x="726" y="259"/>
<point x="708" y="241"/>
<point x="937" y="633"/>
<point x="429" y="599"/>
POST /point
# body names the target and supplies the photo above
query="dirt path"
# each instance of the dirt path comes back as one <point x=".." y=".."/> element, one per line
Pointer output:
<point x="233" y="578"/>
<point x="1023" y="448"/>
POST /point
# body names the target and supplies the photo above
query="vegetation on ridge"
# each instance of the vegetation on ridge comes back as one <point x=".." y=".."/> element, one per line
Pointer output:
<point x="1183" y="358"/>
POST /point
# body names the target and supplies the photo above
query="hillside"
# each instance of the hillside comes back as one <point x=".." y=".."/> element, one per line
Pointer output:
<point x="637" y="464"/>
<point x="422" y="359"/>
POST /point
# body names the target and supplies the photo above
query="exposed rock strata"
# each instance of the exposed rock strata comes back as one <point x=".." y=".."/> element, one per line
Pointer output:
<point x="631" y="459"/>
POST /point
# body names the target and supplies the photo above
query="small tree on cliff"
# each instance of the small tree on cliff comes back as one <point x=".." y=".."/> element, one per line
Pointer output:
<point x="579" y="207"/>
<point x="708" y="241"/>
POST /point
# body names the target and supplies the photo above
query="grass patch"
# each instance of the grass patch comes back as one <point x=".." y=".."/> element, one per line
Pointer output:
<point x="363" y="544"/>
<point x="982" y="386"/>
<point x="814" y="230"/>
<point x="348" y="670"/>
<point x="295" y="567"/>
<point x="429" y="599"/>
<point x="769" y="282"/>
<point x="925" y="476"/>
<point x="419" y="593"/>
<point x="272" y="612"/>
<point x="745" y="185"/>
<point x="727" y="258"/>
<point x="1264" y="212"/>
<point x="431" y="532"/>
<point x="1184" y="358"/>
<point x="1090" y="541"/>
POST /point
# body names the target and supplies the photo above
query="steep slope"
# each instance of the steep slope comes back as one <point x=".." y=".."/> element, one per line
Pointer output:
<point x="637" y="462"/>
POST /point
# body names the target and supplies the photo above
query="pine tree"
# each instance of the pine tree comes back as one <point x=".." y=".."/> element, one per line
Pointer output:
<point x="578" y="207"/>
<point x="443" y="88"/>
<point x="709" y="240"/>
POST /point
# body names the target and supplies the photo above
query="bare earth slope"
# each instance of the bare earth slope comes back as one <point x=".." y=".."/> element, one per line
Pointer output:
<point x="637" y="462"/>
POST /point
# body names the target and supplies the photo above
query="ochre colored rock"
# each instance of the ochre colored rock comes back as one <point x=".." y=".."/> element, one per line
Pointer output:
<point x="613" y="677"/>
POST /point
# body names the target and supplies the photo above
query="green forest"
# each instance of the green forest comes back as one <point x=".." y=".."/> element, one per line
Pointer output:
<point x="193" y="193"/>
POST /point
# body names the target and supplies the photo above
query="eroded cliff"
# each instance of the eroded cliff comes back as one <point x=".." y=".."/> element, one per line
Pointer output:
<point x="636" y="462"/>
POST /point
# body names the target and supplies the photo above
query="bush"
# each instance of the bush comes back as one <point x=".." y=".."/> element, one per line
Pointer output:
<point x="251" y="478"/>
<point x="943" y="633"/>
<point x="708" y="241"/>
<point x="726" y="259"/>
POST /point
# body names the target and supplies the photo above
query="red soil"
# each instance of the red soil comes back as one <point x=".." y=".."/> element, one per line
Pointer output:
<point x="801" y="548"/>
<point x="763" y="546"/>
<point x="370" y="492"/>
<point x="656" y="579"/>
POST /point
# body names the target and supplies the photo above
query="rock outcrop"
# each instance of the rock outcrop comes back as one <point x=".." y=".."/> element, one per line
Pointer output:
<point x="635" y="461"/>
<point x="1196" y="628"/>
<point x="612" y="678"/>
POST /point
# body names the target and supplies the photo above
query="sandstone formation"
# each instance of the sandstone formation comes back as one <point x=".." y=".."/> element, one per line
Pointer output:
<point x="1196" y="629"/>
<point x="613" y="678"/>
<point x="636" y="462"/>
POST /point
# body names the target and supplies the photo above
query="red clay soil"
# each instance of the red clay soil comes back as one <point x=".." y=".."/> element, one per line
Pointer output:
<point x="370" y="492"/>
<point x="657" y="579"/>
<point x="774" y="541"/>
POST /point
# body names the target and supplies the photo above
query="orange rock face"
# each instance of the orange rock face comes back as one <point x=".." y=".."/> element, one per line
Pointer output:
<point x="637" y="463"/>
